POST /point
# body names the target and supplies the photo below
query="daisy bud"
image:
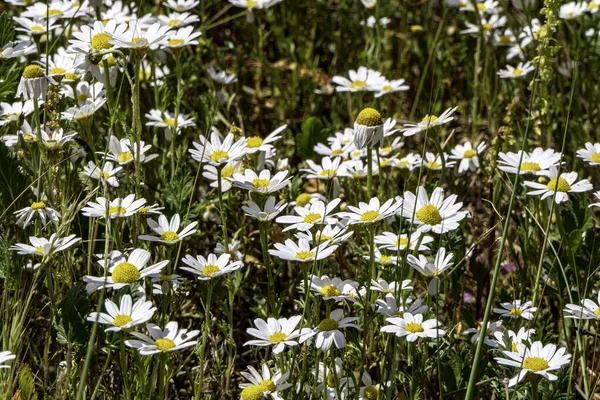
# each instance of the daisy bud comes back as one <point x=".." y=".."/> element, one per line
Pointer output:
<point x="368" y="128"/>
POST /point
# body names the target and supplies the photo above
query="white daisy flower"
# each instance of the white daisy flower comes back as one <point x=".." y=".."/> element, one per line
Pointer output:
<point x="433" y="269"/>
<point x="328" y="331"/>
<point x="429" y="121"/>
<point x="270" y="210"/>
<point x="181" y="38"/>
<point x="55" y="140"/>
<point x="96" y="37"/>
<point x="490" y="332"/>
<point x="12" y="112"/>
<point x="335" y="149"/>
<point x="221" y="77"/>
<point x="413" y="327"/>
<point x="45" y="247"/>
<point x="561" y="185"/>
<point x="358" y="170"/>
<point x="123" y="271"/>
<point x="537" y="359"/>
<point x="168" y="231"/>
<point x="516" y="72"/>
<point x="370" y="390"/>
<point x="434" y="161"/>
<point x="136" y="37"/>
<point x="4" y="357"/>
<point x="162" y="340"/>
<point x="538" y="162"/>
<point x="40" y="208"/>
<point x="393" y="86"/>
<point x="53" y="10"/>
<point x="33" y="83"/>
<point x="390" y="287"/>
<point x="181" y="5"/>
<point x="275" y="332"/>
<point x="382" y="259"/>
<point x="85" y="92"/>
<point x="17" y="49"/>
<point x="329" y="169"/>
<point x="255" y="144"/>
<point x="572" y="10"/>
<point x="210" y="267"/>
<point x="262" y="183"/>
<point x="164" y="283"/>
<point x="153" y="209"/>
<point x="468" y="156"/>
<point x="508" y="341"/>
<point x="302" y="251"/>
<point x="125" y="316"/>
<point x="516" y="309"/>
<point x="107" y="173"/>
<point x="505" y="38"/>
<point x="334" y="234"/>
<point x="166" y="120"/>
<point x="83" y="113"/>
<point x="409" y="162"/>
<point x="332" y="380"/>
<point x="591" y="153"/>
<point x="360" y="80"/>
<point x="370" y="213"/>
<point x="391" y="241"/>
<point x="588" y="309"/>
<point x="123" y="152"/>
<point x="436" y="213"/>
<point x="334" y="288"/>
<point x="315" y="213"/>
<point x="216" y="152"/>
<point x="389" y="307"/>
<point x="346" y="137"/>
<point x="488" y="25"/>
<point x="264" y="384"/>
<point x="211" y="173"/>
<point x="118" y="207"/>
<point x="177" y="20"/>
<point x="368" y="129"/>
<point x="369" y="3"/>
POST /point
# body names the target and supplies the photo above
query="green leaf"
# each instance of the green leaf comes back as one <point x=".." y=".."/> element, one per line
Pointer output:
<point x="73" y="328"/>
<point x="27" y="384"/>
<point x="312" y="134"/>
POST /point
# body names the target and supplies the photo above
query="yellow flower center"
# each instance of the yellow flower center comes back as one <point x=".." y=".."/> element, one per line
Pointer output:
<point x="38" y="205"/>
<point x="487" y="28"/>
<point x="384" y="163"/>
<point x="595" y="158"/>
<point x="330" y="291"/>
<point x="332" y="381"/>
<point x="469" y="153"/>
<point x="117" y="210"/>
<point x="369" y="216"/>
<point x="516" y="312"/>
<point x="303" y="255"/>
<point x="323" y="238"/>
<point x="175" y="42"/>
<point x="169" y="122"/>
<point x="254" y="142"/>
<point x="226" y="172"/>
<point x="429" y="119"/>
<point x="57" y="71"/>
<point x="312" y="218"/>
<point x="371" y="393"/>
<point x="559" y="185"/>
<point x="535" y="364"/>
<point x="429" y="215"/>
<point x="251" y="3"/>
<point x="401" y="242"/>
<point x="169" y="236"/>
<point x="369" y="117"/>
<point x="597" y="312"/>
<point x="164" y="344"/>
<point x="517" y="72"/>
<point x="530" y="166"/>
<point x="336" y="152"/>
<point x="51" y="13"/>
<point x="39" y="249"/>
<point x="504" y="40"/>
<point x="386" y="88"/>
<point x="174" y="22"/>
<point x="261" y="183"/>
<point x="71" y="77"/>
<point x="277" y="337"/>
<point x="219" y="155"/>
<point x="267" y="386"/>
<point x="513" y="347"/>
<point x="328" y="324"/>
<point x="100" y="41"/>
<point x="124" y="157"/>
<point x="592" y="6"/>
<point x="252" y="393"/>
<point x="143" y="210"/>
<point x="110" y="61"/>
<point x="403" y="163"/>
<point x="125" y="273"/>
<point x="33" y="72"/>
<point x="303" y="199"/>
<point x="105" y="174"/>
<point x="330" y="173"/>
<point x="434" y="165"/>
<point x="83" y="97"/>
<point x="358" y="84"/>
<point x="481" y="7"/>
<point x="386" y="149"/>
<point x="414" y="327"/>
<point x="139" y="42"/>
<point x="37" y="28"/>
<point x="166" y="278"/>
<point x="209" y="270"/>
<point x="121" y="320"/>
<point x="384" y="259"/>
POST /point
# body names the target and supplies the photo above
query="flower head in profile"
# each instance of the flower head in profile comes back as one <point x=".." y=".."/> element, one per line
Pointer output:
<point x="314" y="214"/>
<point x="516" y="72"/>
<point x="45" y="247"/>
<point x="490" y="332"/>
<point x="264" y="384"/>
<point x="328" y="332"/>
<point x="4" y="357"/>
<point x="39" y="208"/>
<point x="334" y="288"/>
<point x="559" y="186"/>
<point x="368" y="128"/>
<point x="508" y="341"/>
<point x="302" y="251"/>
<point x="266" y="213"/>
<point x="391" y="241"/>
<point x="361" y="80"/>
<point x="437" y="214"/>
<point x="429" y="121"/>
<point x="262" y="183"/>
<point x="124" y="152"/>
<point x="329" y="169"/>
<point x="169" y="339"/>
<point x="210" y="267"/>
<point x="516" y="309"/>
<point x="216" y="152"/>
<point x="590" y="154"/>
<point x="118" y="207"/>
<point x="124" y="316"/>
<point x="413" y="327"/>
<point x="537" y="162"/>
<point x="138" y="38"/>
<point x="221" y="77"/>
<point x="168" y="231"/>
<point x="257" y="144"/>
<point x="371" y="212"/>
<point x="275" y="332"/>
<point x="33" y="83"/>
<point x="588" y="309"/>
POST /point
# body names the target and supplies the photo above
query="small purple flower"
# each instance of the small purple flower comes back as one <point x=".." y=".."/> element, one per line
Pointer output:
<point x="509" y="267"/>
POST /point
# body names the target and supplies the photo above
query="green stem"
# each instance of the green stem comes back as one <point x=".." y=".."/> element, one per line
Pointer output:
<point x="222" y="210"/>
<point x="264" y="241"/>
<point x="205" y="335"/>
<point x="369" y="173"/>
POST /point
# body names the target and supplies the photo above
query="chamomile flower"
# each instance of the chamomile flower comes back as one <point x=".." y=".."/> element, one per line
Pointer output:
<point x="328" y="332"/>
<point x="315" y="213"/>
<point x="572" y="10"/>
<point x="393" y="86"/>
<point x="441" y="263"/>
<point x="85" y="92"/>
<point x="168" y="232"/>
<point x="82" y="114"/>
<point x="171" y="338"/>
<point x="334" y="288"/>
<point x="389" y="307"/>
<point x="335" y="149"/>
<point x="264" y="384"/>
<point x="55" y="140"/>
<point x="429" y="121"/>
<point x="222" y="77"/>
<point x="591" y="153"/>
<point x="270" y="210"/>
<point x="335" y="234"/>
<point x="358" y="170"/>
<point x="45" y="247"/>
<point x="210" y="267"/>
<point x="432" y="214"/>
<point x="216" y="152"/>
<point x="53" y="10"/>
<point x="177" y="20"/>
<point x="33" y="83"/>
<point x="137" y="38"/>
<point x="490" y="332"/>
<point x="488" y="25"/>
<point x="4" y="357"/>
<point x="386" y="288"/>
<point x="118" y="207"/>
<point x="508" y="341"/>
<point x="391" y="241"/>
<point x="275" y="332"/>
<point x="181" y="5"/>
<point x="588" y="309"/>
<point x="16" y="49"/>
<point x="538" y="162"/>
<point x="516" y="309"/>
<point x="361" y="80"/>
<point x="211" y="173"/>
<point x="96" y="37"/>
<point x="302" y="251"/>
<point x="370" y="213"/>
<point x="123" y="271"/>
<point x="369" y="390"/>
<point x="409" y="162"/>
<point x="124" y="152"/>
<point x="108" y="173"/>
<point x="468" y="156"/>
<point x="382" y="259"/>
<point x="434" y="161"/>
<point x="331" y="380"/>
<point x="181" y="38"/>
<point x="166" y="120"/>
<point x="516" y="72"/>
<point x="255" y="144"/>
<point x="124" y="316"/>
<point x="165" y="283"/>
<point x="12" y="112"/>
<point x="559" y="185"/>
<point x="329" y="169"/>
<point x="39" y="208"/>
<point x="537" y="359"/>
<point x="368" y="128"/>
<point x="262" y="183"/>
<point x="413" y="327"/>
